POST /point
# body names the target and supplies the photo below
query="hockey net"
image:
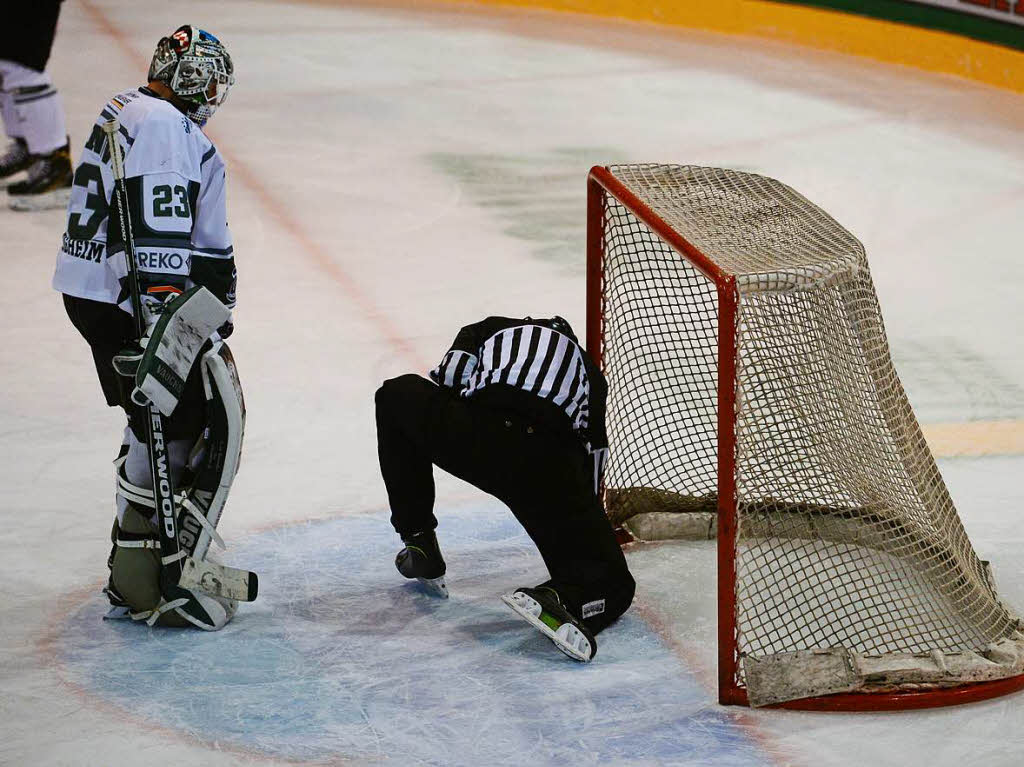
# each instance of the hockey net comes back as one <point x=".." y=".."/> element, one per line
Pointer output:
<point x="752" y="397"/>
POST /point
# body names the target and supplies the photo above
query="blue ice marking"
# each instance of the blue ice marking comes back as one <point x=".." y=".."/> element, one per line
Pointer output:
<point x="342" y="657"/>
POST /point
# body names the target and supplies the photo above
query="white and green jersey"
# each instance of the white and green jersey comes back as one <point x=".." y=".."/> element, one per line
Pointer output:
<point x="176" y="198"/>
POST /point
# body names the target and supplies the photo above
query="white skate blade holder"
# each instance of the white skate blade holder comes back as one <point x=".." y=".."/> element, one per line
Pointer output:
<point x="567" y="638"/>
<point x="435" y="586"/>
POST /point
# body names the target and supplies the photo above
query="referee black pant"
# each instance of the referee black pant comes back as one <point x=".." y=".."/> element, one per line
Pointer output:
<point x="542" y="475"/>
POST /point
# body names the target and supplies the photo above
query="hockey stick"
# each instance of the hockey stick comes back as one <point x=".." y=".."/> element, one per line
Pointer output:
<point x="210" y="577"/>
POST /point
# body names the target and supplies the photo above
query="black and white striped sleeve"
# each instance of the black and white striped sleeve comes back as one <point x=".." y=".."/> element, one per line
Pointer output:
<point x="462" y="358"/>
<point x="455" y="369"/>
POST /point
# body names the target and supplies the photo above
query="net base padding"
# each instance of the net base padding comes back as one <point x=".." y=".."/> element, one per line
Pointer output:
<point x="825" y="678"/>
<point x="891" y="700"/>
<point x="814" y="673"/>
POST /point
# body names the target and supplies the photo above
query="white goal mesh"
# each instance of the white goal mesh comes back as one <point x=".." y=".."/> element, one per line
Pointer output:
<point x="852" y="569"/>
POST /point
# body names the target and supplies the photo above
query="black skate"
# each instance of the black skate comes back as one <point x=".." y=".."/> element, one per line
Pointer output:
<point x="542" y="608"/>
<point x="48" y="184"/>
<point x="421" y="559"/>
<point x="15" y="159"/>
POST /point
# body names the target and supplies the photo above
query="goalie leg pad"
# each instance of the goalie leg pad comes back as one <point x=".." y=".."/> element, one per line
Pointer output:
<point x="135" y="577"/>
<point x="134" y="481"/>
<point x="217" y="454"/>
<point x="203" y="471"/>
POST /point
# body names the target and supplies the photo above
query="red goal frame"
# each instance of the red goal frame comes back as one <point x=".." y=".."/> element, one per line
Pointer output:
<point x="601" y="183"/>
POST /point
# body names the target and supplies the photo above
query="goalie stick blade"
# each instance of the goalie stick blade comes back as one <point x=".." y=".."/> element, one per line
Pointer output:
<point x="567" y="638"/>
<point x="219" y="580"/>
<point x="435" y="586"/>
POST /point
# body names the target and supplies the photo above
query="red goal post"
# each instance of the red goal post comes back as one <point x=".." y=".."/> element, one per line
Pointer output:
<point x="752" y="399"/>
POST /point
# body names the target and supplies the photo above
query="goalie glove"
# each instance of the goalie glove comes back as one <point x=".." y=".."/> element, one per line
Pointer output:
<point x="126" y="362"/>
<point x="163" y="358"/>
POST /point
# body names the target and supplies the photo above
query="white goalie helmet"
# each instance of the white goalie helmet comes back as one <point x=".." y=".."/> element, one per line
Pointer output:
<point x="196" y="66"/>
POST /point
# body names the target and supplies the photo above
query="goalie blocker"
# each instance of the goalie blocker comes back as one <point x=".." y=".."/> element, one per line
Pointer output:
<point x="205" y="483"/>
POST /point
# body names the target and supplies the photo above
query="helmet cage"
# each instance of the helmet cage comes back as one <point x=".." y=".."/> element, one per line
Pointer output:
<point x="200" y="75"/>
<point x="203" y="80"/>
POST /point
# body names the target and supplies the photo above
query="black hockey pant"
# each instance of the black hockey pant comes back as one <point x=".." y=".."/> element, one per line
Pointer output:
<point x="107" y="329"/>
<point x="543" y="476"/>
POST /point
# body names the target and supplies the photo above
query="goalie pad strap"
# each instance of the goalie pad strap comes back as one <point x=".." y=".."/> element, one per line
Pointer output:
<point x="149" y="543"/>
<point x="154" y="615"/>
<point x="173" y="557"/>
<point x="140" y="496"/>
<point x="204" y="523"/>
<point x="143" y="497"/>
<point x="128" y="540"/>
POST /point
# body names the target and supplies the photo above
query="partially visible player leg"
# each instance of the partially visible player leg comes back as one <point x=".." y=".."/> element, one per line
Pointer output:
<point x="33" y="114"/>
<point x="32" y="111"/>
<point x="403" y="412"/>
<point x="420" y="424"/>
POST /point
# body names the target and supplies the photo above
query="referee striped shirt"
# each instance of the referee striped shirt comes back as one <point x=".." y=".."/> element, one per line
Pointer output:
<point x="540" y="357"/>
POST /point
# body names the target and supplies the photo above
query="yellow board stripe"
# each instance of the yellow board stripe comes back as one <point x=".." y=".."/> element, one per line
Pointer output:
<point x="830" y="30"/>
<point x="975" y="439"/>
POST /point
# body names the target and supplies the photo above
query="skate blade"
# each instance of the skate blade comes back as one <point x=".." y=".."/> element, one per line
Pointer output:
<point x="435" y="586"/>
<point x="45" y="201"/>
<point x="569" y="639"/>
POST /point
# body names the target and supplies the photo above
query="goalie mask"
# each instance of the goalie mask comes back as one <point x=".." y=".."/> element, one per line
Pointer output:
<point x="196" y="66"/>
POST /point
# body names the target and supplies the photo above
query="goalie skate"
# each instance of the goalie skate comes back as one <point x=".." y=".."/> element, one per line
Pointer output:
<point x="547" y="615"/>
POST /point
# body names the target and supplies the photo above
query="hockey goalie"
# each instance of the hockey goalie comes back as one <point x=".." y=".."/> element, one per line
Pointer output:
<point x="184" y="280"/>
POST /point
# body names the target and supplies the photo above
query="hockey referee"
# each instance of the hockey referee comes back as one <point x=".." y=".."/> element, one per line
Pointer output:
<point x="516" y="409"/>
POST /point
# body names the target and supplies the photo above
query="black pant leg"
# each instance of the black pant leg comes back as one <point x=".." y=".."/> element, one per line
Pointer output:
<point x="403" y="413"/>
<point x="107" y="329"/>
<point x="420" y="424"/>
<point x="36" y="25"/>
<point x="542" y="476"/>
<point x="555" y="501"/>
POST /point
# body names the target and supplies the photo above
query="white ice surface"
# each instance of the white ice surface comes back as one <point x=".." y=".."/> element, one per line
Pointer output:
<point x="393" y="174"/>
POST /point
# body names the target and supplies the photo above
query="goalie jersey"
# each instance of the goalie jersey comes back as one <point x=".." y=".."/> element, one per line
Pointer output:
<point x="535" y="367"/>
<point x="175" y="180"/>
